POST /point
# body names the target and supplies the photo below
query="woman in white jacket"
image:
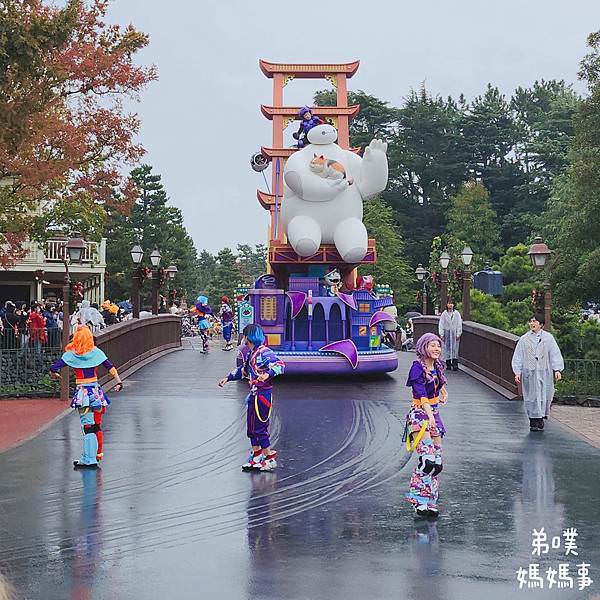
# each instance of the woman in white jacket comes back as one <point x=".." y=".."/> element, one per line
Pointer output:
<point x="450" y="330"/>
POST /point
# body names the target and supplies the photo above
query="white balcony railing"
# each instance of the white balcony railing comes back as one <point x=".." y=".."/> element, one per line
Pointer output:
<point x="55" y="251"/>
<point x="93" y="255"/>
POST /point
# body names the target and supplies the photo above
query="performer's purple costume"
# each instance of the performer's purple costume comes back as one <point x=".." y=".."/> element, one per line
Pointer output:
<point x="259" y="360"/>
<point x="424" y="485"/>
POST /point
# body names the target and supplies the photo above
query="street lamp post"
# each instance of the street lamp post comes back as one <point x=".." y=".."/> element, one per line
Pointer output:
<point x="72" y="251"/>
<point x="155" y="260"/>
<point x="444" y="262"/>
<point x="136" y="256"/>
<point x="539" y="254"/>
<point x="466" y="256"/>
<point x="421" y="274"/>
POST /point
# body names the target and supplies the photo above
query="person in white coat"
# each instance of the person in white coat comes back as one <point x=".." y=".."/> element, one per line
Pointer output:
<point x="450" y="330"/>
<point x="537" y="362"/>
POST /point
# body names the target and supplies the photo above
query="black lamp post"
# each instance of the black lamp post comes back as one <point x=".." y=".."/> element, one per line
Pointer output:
<point x="466" y="256"/>
<point x="155" y="260"/>
<point x="539" y="254"/>
<point x="136" y="256"/>
<point x="444" y="262"/>
<point x="422" y="274"/>
<point x="72" y="251"/>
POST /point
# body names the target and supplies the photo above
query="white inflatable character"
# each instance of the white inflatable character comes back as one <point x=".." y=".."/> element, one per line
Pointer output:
<point x="324" y="193"/>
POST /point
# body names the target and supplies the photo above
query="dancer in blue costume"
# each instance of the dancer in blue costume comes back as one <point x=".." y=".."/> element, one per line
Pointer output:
<point x="89" y="398"/>
<point x="260" y="366"/>
<point x="202" y="310"/>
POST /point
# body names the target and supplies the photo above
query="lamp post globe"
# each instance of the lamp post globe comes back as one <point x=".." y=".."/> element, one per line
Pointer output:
<point x="75" y="248"/>
<point x="420" y="272"/>
<point x="171" y="271"/>
<point x="137" y="253"/>
<point x="445" y="259"/>
<point x="466" y="256"/>
<point x="539" y="253"/>
<point x="155" y="257"/>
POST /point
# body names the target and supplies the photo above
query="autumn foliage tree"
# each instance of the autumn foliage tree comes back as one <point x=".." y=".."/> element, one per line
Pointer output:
<point x="64" y="135"/>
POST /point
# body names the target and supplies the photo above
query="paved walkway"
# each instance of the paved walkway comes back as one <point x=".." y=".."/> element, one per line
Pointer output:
<point x="21" y="419"/>
<point x="171" y="515"/>
<point x="583" y="421"/>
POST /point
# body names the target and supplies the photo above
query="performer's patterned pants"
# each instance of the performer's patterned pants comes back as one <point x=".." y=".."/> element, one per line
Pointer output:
<point x="257" y="418"/>
<point x="424" y="484"/>
<point x="91" y="426"/>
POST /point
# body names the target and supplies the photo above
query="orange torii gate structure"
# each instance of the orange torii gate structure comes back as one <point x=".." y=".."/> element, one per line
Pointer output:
<point x="281" y="253"/>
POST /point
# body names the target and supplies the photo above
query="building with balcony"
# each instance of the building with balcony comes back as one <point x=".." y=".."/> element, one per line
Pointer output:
<point x="40" y="274"/>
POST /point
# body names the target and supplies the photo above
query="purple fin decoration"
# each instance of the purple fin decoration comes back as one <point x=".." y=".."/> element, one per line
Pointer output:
<point x="380" y="316"/>
<point x="297" y="299"/>
<point x="344" y="347"/>
<point x="348" y="300"/>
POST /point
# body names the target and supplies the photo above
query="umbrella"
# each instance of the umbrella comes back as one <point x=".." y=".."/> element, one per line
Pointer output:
<point x="411" y="314"/>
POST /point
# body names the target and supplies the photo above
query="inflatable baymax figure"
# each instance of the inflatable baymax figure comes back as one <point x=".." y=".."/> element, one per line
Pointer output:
<point x="324" y="205"/>
<point x="89" y="398"/>
<point x="307" y="122"/>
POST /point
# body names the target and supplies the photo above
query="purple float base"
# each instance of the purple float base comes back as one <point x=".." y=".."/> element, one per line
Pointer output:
<point x="329" y="363"/>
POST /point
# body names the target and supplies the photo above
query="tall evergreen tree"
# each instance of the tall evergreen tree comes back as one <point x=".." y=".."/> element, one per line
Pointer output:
<point x="225" y="277"/>
<point x="152" y="224"/>
<point x="472" y="218"/>
<point x="572" y="221"/>
<point x="391" y="266"/>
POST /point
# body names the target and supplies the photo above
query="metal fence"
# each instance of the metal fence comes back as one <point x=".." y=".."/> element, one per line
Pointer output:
<point x="47" y="338"/>
<point x="25" y="370"/>
<point x="580" y="377"/>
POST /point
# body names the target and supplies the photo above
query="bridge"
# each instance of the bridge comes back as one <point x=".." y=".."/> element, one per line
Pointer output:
<point x="170" y="514"/>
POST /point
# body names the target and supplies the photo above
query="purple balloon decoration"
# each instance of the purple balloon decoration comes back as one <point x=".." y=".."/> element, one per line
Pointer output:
<point x="344" y="347"/>
<point x="380" y="316"/>
<point x="298" y="299"/>
<point x="348" y="300"/>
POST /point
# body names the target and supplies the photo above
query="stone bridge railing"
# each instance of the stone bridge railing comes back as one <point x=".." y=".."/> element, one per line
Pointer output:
<point x="132" y="344"/>
<point x="485" y="352"/>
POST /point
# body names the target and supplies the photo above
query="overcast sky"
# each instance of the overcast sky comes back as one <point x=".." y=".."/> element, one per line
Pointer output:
<point x="201" y="120"/>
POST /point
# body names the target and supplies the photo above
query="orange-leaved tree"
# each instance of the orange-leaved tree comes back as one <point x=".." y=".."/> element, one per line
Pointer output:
<point x="64" y="134"/>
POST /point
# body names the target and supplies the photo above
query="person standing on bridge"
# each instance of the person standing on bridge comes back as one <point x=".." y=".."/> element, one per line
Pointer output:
<point x="450" y="329"/>
<point x="89" y="399"/>
<point x="425" y="428"/>
<point x="260" y="366"/>
<point x="537" y="362"/>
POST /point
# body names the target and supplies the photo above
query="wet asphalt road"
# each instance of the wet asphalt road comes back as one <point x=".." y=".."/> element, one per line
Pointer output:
<point x="170" y="514"/>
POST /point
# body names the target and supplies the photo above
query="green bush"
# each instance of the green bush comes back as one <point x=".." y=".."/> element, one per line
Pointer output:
<point x="520" y="290"/>
<point x="576" y="338"/>
<point x="487" y="311"/>
<point x="518" y="315"/>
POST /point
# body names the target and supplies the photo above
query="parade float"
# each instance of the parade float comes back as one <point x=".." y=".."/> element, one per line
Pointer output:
<point x="317" y="314"/>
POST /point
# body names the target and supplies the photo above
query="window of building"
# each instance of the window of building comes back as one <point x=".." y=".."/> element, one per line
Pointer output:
<point x="268" y="308"/>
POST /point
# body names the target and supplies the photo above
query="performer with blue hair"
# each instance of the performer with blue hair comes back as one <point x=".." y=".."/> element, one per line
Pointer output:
<point x="201" y="309"/>
<point x="260" y="367"/>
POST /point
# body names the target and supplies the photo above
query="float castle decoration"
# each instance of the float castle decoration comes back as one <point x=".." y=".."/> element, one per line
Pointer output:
<point x="308" y="304"/>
